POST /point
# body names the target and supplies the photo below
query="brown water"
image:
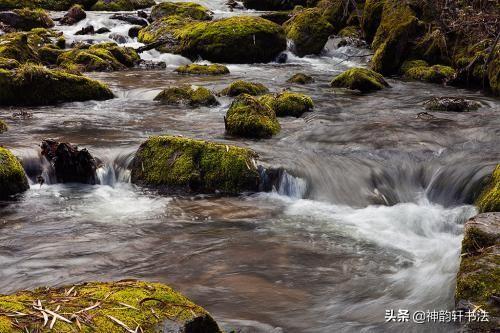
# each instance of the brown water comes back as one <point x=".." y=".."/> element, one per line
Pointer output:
<point x="322" y="253"/>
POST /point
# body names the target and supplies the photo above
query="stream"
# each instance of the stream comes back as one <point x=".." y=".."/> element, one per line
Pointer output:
<point x="368" y="216"/>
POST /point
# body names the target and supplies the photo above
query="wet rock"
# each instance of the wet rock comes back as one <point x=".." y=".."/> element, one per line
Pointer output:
<point x="282" y="58"/>
<point x="12" y="177"/>
<point x="74" y="15"/>
<point x="361" y="79"/>
<point x="248" y="117"/>
<point x="184" y="9"/>
<point x="421" y="71"/>
<point x="309" y="31"/>
<point x="273" y="4"/>
<point x="120" y="39"/>
<point x="26" y="19"/>
<point x="142" y="14"/>
<point x="70" y="164"/>
<point x="455" y="104"/>
<point x="36" y="85"/>
<point x="177" y="164"/>
<point x="133" y="32"/>
<point x="478" y="277"/>
<point x="102" y="30"/>
<point x="130" y="19"/>
<point x="121" y="5"/>
<point x="149" y="64"/>
<point x="301" y="78"/>
<point x="243" y="87"/>
<point x="148" y="301"/>
<point x="489" y="199"/>
<point x="193" y="96"/>
<point x="288" y="103"/>
<point x="199" y="69"/>
<point x="88" y="30"/>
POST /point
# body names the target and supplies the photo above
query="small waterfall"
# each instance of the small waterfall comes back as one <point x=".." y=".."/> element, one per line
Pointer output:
<point x="291" y="186"/>
<point x="115" y="169"/>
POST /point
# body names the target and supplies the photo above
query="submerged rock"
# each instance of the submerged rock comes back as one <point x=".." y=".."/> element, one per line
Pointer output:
<point x="309" y="31"/>
<point x="420" y="70"/>
<point x="243" y="87"/>
<point x="455" y="104"/>
<point x="26" y="19"/>
<point x="36" y="85"/>
<point x="198" y="69"/>
<point x="361" y="79"/>
<point x="12" y="177"/>
<point x="150" y="307"/>
<point x="181" y="164"/>
<point x="301" y="78"/>
<point x="74" y="15"/>
<point x="122" y="5"/>
<point x="194" y="96"/>
<point x="70" y="164"/>
<point x="288" y="103"/>
<point x="250" y="118"/>
<point x="478" y="277"/>
<point x="120" y="39"/>
<point x="489" y="199"/>
<point x="185" y="9"/>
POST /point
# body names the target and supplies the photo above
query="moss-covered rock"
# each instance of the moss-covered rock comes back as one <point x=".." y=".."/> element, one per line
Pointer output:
<point x="12" y="177"/>
<point x="121" y="5"/>
<point x="105" y="307"/>
<point x="478" y="278"/>
<point x="309" y="31"/>
<point x="334" y="12"/>
<point x="241" y="39"/>
<point x="350" y="32"/>
<point x="6" y="63"/>
<point x="26" y="19"/>
<point x="199" y="69"/>
<point x="248" y="117"/>
<point x="494" y="73"/>
<point x="489" y="200"/>
<point x="361" y="79"/>
<point x="273" y="4"/>
<point x="45" y="4"/>
<point x="36" y="85"/>
<point x="181" y="164"/>
<point x="454" y="104"/>
<point x="288" y="103"/>
<point x="432" y="47"/>
<point x="398" y="27"/>
<point x="300" y="78"/>
<point x="75" y="14"/>
<point x="49" y="54"/>
<point x="194" y="96"/>
<point x="243" y="87"/>
<point x="16" y="46"/>
<point x="100" y="58"/>
<point x="3" y="126"/>
<point x="278" y="17"/>
<point x="419" y="70"/>
<point x="372" y="16"/>
<point x="184" y="9"/>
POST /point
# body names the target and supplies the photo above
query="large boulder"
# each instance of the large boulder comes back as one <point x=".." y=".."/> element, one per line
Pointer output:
<point x="335" y="12"/>
<point x="71" y="165"/>
<point x="186" y="9"/>
<point x="244" y="87"/>
<point x="478" y="278"/>
<point x="489" y="200"/>
<point x="177" y="164"/>
<point x="250" y="118"/>
<point x="240" y="39"/>
<point x="122" y="5"/>
<point x="74" y="15"/>
<point x="199" y="69"/>
<point x="288" y="103"/>
<point x="309" y="31"/>
<point x="12" y="177"/>
<point x="36" y="85"/>
<point x="24" y="46"/>
<point x="273" y="4"/>
<point x="122" y="306"/>
<point x="193" y="96"/>
<point x="26" y="19"/>
<point x="361" y="79"/>
<point x="372" y="16"/>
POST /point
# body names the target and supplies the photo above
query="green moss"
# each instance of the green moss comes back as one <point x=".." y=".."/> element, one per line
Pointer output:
<point x="28" y="19"/>
<point x="45" y="4"/>
<point x="361" y="79"/>
<point x="49" y="54"/>
<point x="194" y="96"/>
<point x="309" y="31"/>
<point x="3" y="126"/>
<point x="494" y="74"/>
<point x="489" y="200"/>
<point x="243" y="87"/>
<point x="409" y="64"/>
<point x="391" y="44"/>
<point x="198" y="69"/>
<point x="166" y="27"/>
<point x="248" y="117"/>
<point x="16" y="46"/>
<point x="434" y="74"/>
<point x="134" y="303"/>
<point x="350" y="32"/>
<point x="12" y="177"/>
<point x="300" y="78"/>
<point x="334" y="12"/>
<point x="121" y="5"/>
<point x="185" y="9"/>
<point x="36" y="85"/>
<point x="372" y="16"/>
<point x="178" y="163"/>
<point x="432" y="47"/>
<point x="454" y="104"/>
<point x="288" y="103"/>
<point x="6" y="63"/>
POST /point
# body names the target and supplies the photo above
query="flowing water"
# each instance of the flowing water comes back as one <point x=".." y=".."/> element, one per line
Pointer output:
<point x="367" y="217"/>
